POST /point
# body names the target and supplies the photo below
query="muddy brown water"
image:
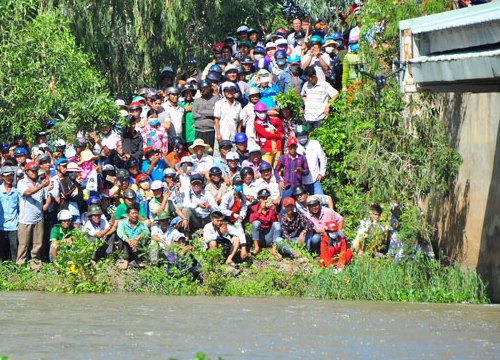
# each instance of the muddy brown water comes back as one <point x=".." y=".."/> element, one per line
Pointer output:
<point x="123" y="326"/>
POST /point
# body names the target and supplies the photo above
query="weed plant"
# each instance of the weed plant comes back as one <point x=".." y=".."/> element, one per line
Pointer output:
<point x="365" y="278"/>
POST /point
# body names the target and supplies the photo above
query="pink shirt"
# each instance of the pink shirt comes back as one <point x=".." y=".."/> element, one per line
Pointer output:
<point x="325" y="215"/>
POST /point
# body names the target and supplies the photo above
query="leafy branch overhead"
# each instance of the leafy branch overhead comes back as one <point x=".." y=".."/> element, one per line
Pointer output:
<point x="45" y="77"/>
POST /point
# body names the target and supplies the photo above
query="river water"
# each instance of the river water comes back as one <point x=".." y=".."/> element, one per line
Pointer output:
<point x="123" y="326"/>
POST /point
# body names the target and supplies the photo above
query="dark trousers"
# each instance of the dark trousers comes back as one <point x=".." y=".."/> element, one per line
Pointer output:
<point x="8" y="245"/>
<point x="208" y="137"/>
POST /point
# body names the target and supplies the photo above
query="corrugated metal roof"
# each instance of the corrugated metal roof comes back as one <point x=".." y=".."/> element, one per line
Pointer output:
<point x="422" y="59"/>
<point x="473" y="66"/>
<point x="452" y="19"/>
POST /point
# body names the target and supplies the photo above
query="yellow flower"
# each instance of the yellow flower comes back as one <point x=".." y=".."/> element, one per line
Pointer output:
<point x="72" y="268"/>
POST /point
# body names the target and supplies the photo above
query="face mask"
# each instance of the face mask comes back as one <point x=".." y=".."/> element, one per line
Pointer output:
<point x="258" y="57"/>
<point x="144" y="185"/>
<point x="333" y="238"/>
<point x="154" y="122"/>
<point x="73" y="175"/>
<point x="354" y="47"/>
<point x="329" y="50"/>
<point x="302" y="140"/>
<point x="261" y="115"/>
<point x="238" y="188"/>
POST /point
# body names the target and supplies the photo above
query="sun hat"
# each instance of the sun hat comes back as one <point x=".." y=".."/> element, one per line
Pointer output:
<point x="198" y="142"/>
<point x="72" y="166"/>
<point x="184" y="160"/>
<point x="86" y="155"/>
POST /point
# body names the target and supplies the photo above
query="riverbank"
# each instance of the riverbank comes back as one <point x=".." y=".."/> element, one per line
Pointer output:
<point x="365" y="278"/>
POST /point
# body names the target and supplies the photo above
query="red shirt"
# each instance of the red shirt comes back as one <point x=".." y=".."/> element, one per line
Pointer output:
<point x="329" y="254"/>
<point x="269" y="134"/>
<point x="266" y="219"/>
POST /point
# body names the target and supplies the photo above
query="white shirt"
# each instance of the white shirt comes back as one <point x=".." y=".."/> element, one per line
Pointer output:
<point x="227" y="203"/>
<point x="272" y="186"/>
<point x="30" y="206"/>
<point x="317" y="97"/>
<point x="210" y="234"/>
<point x="316" y="160"/>
<point x="191" y="201"/>
<point x="170" y="235"/>
<point x="203" y="164"/>
<point x="175" y="115"/>
<point x="92" y="229"/>
<point x="251" y="189"/>
<point x="229" y="117"/>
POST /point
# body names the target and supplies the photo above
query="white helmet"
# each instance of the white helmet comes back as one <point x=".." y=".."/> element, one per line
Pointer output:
<point x="64" y="215"/>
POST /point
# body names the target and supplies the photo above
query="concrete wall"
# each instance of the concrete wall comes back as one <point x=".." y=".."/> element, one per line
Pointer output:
<point x="468" y="222"/>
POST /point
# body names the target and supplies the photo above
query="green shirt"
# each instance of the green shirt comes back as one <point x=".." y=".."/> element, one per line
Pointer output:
<point x="189" y="130"/>
<point x="121" y="212"/>
<point x="57" y="232"/>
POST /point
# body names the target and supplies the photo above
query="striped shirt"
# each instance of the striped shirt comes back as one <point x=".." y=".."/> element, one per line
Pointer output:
<point x="290" y="176"/>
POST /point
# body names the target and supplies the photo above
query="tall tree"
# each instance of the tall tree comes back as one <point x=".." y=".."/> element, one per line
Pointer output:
<point x="46" y="76"/>
<point x="133" y="39"/>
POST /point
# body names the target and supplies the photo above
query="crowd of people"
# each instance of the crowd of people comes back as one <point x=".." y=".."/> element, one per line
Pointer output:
<point x="205" y="155"/>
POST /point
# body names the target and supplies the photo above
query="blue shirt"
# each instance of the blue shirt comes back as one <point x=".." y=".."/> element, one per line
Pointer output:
<point x="221" y="165"/>
<point x="126" y="232"/>
<point x="9" y="209"/>
<point x="157" y="173"/>
<point x="268" y="94"/>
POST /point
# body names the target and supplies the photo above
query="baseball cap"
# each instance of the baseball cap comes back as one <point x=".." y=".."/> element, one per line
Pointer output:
<point x="288" y="201"/>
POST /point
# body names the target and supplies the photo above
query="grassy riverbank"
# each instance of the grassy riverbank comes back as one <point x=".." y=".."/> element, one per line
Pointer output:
<point x="364" y="279"/>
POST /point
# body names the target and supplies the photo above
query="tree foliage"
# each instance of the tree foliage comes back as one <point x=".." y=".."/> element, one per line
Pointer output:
<point x="392" y="148"/>
<point x="133" y="39"/>
<point x="45" y="76"/>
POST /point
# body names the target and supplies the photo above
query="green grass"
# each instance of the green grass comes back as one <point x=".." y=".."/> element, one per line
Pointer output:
<point x="363" y="279"/>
